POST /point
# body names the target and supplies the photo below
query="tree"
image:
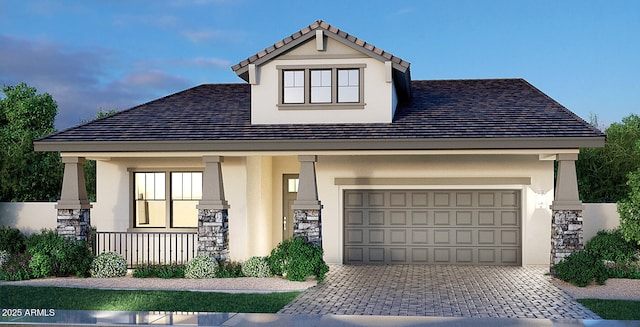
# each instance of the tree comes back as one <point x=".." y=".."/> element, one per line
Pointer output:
<point x="26" y="175"/>
<point x="90" y="165"/>
<point x="602" y="172"/>
<point x="629" y="209"/>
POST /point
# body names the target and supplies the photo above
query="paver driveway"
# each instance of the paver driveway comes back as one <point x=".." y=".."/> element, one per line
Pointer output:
<point x="439" y="290"/>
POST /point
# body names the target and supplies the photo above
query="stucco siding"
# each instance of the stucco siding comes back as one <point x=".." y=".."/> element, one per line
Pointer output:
<point x="378" y="96"/>
<point x="536" y="221"/>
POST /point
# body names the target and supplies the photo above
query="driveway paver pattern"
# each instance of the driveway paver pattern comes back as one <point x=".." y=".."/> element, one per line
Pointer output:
<point x="439" y="290"/>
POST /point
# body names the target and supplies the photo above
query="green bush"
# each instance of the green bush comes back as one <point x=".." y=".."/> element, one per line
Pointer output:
<point x="12" y="240"/>
<point x="160" y="271"/>
<point x="202" y="266"/>
<point x="229" y="269"/>
<point x="107" y="265"/>
<point x="611" y="246"/>
<point x="295" y="259"/>
<point x="54" y="255"/>
<point x="16" y="268"/>
<point x="256" y="267"/>
<point x="581" y="268"/>
<point x="629" y="209"/>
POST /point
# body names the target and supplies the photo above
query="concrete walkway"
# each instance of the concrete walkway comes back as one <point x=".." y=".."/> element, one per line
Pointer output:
<point x="439" y="291"/>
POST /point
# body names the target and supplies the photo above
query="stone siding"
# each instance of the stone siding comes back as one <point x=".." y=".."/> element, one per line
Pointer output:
<point x="213" y="233"/>
<point x="74" y="223"/>
<point x="307" y="224"/>
<point x="566" y="234"/>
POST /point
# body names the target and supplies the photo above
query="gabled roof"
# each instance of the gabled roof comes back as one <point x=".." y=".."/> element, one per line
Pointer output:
<point x="401" y="73"/>
<point x="444" y="114"/>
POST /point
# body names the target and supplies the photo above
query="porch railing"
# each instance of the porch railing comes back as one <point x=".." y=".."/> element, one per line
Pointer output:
<point x="142" y="248"/>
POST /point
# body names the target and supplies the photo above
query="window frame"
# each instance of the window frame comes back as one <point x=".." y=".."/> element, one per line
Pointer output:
<point x="307" y="104"/>
<point x="168" y="200"/>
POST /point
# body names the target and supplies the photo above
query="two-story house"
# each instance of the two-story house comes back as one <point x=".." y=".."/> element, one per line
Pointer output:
<point x="329" y="138"/>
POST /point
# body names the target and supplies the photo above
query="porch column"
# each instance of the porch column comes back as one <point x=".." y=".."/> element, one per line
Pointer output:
<point x="307" y="222"/>
<point x="566" y="224"/>
<point x="74" y="216"/>
<point x="213" y="220"/>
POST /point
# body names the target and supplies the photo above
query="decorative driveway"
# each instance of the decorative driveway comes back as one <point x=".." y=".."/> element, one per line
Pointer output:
<point x="439" y="290"/>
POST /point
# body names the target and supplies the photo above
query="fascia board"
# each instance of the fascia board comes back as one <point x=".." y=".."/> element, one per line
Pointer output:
<point x="321" y="145"/>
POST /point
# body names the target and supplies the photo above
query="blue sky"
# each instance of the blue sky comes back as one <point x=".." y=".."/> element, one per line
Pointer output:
<point x="116" y="54"/>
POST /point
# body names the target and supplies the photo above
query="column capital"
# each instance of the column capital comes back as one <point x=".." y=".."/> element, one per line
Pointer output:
<point x="74" y="190"/>
<point x="212" y="184"/>
<point x="566" y="192"/>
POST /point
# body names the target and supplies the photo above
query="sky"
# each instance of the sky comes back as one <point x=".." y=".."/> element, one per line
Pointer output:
<point x="115" y="54"/>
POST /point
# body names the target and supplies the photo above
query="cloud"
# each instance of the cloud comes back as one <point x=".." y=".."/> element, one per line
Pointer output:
<point x="81" y="81"/>
<point x="202" y="36"/>
<point x="203" y="62"/>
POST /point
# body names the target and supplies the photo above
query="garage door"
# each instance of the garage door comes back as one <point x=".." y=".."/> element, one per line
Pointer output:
<point x="480" y="227"/>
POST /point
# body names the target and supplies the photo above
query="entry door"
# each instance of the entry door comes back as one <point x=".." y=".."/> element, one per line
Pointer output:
<point x="289" y="195"/>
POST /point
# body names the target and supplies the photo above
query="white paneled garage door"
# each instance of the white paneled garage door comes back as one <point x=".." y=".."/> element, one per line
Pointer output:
<point x="480" y="227"/>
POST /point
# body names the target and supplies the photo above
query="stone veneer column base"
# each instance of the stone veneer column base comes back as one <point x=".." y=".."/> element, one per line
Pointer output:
<point x="308" y="225"/>
<point x="74" y="223"/>
<point x="213" y="233"/>
<point x="566" y="234"/>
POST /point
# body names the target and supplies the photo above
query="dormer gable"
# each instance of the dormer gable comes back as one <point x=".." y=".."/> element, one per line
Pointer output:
<point x="324" y="75"/>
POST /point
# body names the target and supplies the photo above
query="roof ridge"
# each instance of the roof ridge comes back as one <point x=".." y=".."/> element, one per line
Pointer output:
<point x="330" y="28"/>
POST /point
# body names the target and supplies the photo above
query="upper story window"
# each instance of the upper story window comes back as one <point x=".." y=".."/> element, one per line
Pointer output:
<point x="293" y="88"/>
<point x="321" y="86"/>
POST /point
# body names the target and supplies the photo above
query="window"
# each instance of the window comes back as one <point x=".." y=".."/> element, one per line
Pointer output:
<point x="320" y="86"/>
<point x="348" y="85"/>
<point x="294" y="86"/>
<point x="159" y="206"/>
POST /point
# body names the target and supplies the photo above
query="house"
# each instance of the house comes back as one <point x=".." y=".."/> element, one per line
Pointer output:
<point x="329" y="138"/>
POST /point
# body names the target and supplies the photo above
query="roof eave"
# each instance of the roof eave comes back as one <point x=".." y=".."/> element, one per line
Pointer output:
<point x="323" y="145"/>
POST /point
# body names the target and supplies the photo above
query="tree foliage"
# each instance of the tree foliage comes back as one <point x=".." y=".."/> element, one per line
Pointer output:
<point x="602" y="172"/>
<point x="629" y="209"/>
<point x="26" y="175"/>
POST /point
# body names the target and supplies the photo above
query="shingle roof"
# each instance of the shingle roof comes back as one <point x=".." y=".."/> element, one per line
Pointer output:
<point x="306" y="32"/>
<point x="438" y="110"/>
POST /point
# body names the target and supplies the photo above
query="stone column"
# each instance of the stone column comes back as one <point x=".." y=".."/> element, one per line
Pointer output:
<point x="566" y="224"/>
<point x="213" y="220"/>
<point x="74" y="216"/>
<point x="307" y="209"/>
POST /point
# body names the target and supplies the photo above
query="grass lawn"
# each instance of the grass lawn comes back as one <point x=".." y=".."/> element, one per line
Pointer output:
<point x="25" y="297"/>
<point x="613" y="309"/>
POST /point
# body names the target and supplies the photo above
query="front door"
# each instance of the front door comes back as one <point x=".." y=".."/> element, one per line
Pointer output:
<point x="289" y="195"/>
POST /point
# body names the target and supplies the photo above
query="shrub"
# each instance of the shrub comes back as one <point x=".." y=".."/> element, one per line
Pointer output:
<point x="107" y="265"/>
<point x="611" y="246"/>
<point x="256" y="267"/>
<point x="12" y="240"/>
<point x="202" y="266"/>
<point x="16" y="268"/>
<point x="581" y="268"/>
<point x="629" y="209"/>
<point x="160" y="271"/>
<point x="229" y="269"/>
<point x="170" y="271"/>
<point x="295" y="259"/>
<point x="54" y="255"/>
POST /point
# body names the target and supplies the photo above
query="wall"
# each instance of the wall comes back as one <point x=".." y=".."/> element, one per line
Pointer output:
<point x="28" y="217"/>
<point x="378" y="94"/>
<point x="536" y="221"/>
<point x="599" y="216"/>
